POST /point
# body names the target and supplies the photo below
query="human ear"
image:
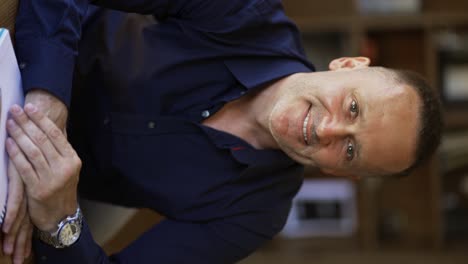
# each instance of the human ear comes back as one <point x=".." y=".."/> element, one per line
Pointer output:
<point x="349" y="63"/>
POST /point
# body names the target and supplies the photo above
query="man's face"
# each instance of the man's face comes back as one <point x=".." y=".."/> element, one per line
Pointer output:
<point x="351" y="121"/>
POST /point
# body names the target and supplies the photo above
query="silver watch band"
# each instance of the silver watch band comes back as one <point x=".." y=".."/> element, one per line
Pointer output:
<point x="54" y="238"/>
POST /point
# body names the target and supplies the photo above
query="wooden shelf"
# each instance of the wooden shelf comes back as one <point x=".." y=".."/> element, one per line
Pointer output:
<point x="7" y="13"/>
<point x="349" y="23"/>
<point x="427" y="20"/>
<point x="456" y="119"/>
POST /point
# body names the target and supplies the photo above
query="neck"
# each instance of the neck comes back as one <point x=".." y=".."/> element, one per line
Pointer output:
<point x="248" y="117"/>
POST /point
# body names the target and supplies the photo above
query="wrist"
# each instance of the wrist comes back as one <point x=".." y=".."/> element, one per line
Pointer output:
<point x="50" y="105"/>
<point x="52" y="220"/>
<point x="66" y="233"/>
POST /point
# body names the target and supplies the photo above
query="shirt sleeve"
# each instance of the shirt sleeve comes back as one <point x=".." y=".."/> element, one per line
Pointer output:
<point x="169" y="242"/>
<point x="48" y="33"/>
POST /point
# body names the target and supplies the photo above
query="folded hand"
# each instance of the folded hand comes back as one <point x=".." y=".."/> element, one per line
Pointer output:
<point x="47" y="164"/>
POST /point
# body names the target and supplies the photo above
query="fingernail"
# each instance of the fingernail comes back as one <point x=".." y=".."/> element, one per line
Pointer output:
<point x="6" y="227"/>
<point x="15" y="109"/>
<point x="10" y="143"/>
<point x="11" y="123"/>
<point x="30" y="108"/>
<point x="8" y="248"/>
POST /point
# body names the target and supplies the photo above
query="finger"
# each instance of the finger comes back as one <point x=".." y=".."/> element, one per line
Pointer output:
<point x="28" y="246"/>
<point x="35" y="134"/>
<point x="9" y="242"/>
<point x="32" y="152"/>
<point x="55" y="135"/>
<point x="21" y="164"/>
<point x="21" y="241"/>
<point x="15" y="197"/>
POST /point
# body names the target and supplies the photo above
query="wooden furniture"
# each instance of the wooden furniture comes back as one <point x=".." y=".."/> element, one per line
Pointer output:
<point x="8" y="13"/>
<point x="402" y="213"/>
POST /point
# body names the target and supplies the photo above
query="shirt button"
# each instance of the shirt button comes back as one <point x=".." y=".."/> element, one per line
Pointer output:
<point x="22" y="65"/>
<point x="205" y="113"/>
<point x="151" y="124"/>
<point x="106" y="121"/>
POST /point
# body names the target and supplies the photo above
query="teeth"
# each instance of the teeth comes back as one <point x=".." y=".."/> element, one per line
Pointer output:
<point x="304" y="128"/>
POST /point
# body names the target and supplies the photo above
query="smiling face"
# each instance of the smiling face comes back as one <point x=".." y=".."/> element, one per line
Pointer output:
<point x="352" y="122"/>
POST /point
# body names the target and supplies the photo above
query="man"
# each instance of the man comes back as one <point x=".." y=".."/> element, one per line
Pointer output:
<point x="192" y="117"/>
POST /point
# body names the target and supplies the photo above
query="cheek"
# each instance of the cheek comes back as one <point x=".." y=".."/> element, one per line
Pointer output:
<point x="280" y="121"/>
<point x="327" y="158"/>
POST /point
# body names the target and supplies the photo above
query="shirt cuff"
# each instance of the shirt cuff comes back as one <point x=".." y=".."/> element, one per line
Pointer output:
<point x="46" y="66"/>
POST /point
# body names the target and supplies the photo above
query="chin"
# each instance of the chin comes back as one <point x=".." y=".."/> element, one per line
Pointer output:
<point x="297" y="156"/>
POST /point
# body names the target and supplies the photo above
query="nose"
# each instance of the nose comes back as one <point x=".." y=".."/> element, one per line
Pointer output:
<point x="327" y="132"/>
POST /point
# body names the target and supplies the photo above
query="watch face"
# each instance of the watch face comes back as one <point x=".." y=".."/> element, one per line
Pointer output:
<point x="69" y="233"/>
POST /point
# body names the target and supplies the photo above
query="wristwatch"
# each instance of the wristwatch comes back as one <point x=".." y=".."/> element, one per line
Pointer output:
<point x="67" y="233"/>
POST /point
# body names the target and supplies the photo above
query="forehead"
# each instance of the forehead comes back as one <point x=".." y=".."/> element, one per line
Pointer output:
<point x="388" y="131"/>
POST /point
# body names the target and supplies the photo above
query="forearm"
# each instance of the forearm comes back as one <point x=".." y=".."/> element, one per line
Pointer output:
<point x="47" y="36"/>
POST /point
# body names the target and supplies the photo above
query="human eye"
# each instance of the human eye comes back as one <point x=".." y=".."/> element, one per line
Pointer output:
<point x="354" y="108"/>
<point x="350" y="151"/>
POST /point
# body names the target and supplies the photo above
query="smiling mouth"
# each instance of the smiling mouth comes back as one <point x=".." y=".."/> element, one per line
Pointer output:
<point x="304" y="128"/>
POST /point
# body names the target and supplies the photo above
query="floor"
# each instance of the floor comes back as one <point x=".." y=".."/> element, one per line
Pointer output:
<point x="330" y="257"/>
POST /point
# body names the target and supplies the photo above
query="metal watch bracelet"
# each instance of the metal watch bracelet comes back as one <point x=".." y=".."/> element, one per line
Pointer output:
<point x="67" y="233"/>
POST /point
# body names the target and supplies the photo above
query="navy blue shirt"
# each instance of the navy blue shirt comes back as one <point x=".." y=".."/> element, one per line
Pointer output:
<point x="141" y="90"/>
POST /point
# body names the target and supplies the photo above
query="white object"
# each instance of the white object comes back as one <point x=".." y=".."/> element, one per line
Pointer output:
<point x="322" y="208"/>
<point x="10" y="93"/>
<point x="456" y="82"/>
<point x="388" y="6"/>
